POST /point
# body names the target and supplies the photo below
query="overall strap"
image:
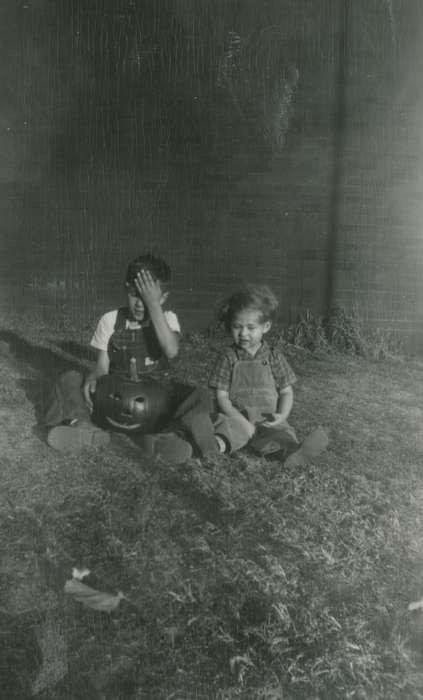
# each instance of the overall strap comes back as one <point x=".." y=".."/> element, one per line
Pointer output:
<point x="139" y="343"/>
<point x="121" y="319"/>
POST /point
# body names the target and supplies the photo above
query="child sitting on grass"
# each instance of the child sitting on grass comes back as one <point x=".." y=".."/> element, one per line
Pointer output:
<point x="253" y="384"/>
<point x="141" y="335"/>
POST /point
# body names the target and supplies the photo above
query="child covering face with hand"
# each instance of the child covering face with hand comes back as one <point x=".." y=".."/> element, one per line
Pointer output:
<point x="136" y="342"/>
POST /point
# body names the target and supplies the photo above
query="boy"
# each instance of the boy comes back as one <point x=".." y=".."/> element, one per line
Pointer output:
<point x="140" y="337"/>
<point x="253" y="384"/>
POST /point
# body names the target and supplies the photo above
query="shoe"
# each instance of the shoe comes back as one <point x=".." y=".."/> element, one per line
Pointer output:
<point x="167" y="446"/>
<point x="269" y="442"/>
<point x="77" y="436"/>
<point x="268" y="447"/>
<point x="313" y="445"/>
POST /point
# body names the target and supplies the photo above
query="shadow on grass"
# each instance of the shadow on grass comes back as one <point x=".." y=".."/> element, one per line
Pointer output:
<point x="20" y="654"/>
<point x="48" y="361"/>
<point x="45" y="364"/>
<point x="207" y="505"/>
<point x="82" y="352"/>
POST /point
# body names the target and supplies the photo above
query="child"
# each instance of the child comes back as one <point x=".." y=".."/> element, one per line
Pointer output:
<point x="253" y="384"/>
<point x="143" y="335"/>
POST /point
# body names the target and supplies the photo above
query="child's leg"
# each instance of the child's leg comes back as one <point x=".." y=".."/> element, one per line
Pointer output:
<point x="268" y="441"/>
<point x="69" y="417"/>
<point x="66" y="401"/>
<point x="284" y="445"/>
<point x="167" y="446"/>
<point x="232" y="431"/>
<point x="193" y="415"/>
<point x="311" y="447"/>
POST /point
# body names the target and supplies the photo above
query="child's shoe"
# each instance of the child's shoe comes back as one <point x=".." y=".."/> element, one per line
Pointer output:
<point x="311" y="447"/>
<point x="274" y="443"/>
<point x="266" y="446"/>
<point x="76" y="436"/>
<point x="167" y="446"/>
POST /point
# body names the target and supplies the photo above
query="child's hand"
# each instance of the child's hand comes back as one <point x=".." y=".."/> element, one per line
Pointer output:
<point x="273" y="420"/>
<point x="88" y="389"/>
<point x="149" y="289"/>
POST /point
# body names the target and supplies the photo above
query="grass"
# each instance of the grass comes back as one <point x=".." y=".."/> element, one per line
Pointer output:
<point x="243" y="579"/>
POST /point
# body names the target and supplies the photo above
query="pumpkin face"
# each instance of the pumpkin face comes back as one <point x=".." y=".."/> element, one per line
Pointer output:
<point x="131" y="406"/>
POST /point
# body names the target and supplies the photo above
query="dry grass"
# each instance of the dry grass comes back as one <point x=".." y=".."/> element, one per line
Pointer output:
<point x="245" y="580"/>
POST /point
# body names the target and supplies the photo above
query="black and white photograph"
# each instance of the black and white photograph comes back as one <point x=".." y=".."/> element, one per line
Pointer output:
<point x="211" y="349"/>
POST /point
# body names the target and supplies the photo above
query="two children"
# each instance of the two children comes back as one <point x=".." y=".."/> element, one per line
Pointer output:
<point x="252" y="382"/>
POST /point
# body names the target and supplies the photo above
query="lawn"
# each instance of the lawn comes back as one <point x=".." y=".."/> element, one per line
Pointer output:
<point x="241" y="579"/>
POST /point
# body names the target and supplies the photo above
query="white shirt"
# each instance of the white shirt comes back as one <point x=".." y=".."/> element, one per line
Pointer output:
<point x="106" y="326"/>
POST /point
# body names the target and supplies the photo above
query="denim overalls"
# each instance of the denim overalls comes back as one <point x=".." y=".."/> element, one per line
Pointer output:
<point x="190" y="406"/>
<point x="141" y="344"/>
<point x="253" y="392"/>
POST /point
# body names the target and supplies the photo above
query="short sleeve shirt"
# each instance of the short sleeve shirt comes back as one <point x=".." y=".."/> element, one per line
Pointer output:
<point x="106" y="326"/>
<point x="221" y="375"/>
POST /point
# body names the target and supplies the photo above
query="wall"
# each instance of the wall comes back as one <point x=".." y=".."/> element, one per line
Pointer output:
<point x="141" y="126"/>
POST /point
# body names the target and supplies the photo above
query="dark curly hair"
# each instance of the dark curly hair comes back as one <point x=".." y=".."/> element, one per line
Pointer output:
<point x="157" y="267"/>
<point x="255" y="297"/>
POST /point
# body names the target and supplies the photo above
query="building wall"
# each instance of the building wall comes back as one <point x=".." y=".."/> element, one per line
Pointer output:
<point x="121" y="137"/>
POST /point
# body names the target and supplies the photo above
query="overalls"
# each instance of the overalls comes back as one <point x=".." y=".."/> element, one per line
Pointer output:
<point x="190" y="409"/>
<point x="141" y="344"/>
<point x="253" y="393"/>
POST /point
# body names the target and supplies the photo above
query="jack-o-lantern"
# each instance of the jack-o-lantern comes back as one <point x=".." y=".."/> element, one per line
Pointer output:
<point x="138" y="406"/>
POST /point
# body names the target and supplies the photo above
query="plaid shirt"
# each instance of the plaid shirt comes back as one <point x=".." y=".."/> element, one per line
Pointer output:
<point x="221" y="375"/>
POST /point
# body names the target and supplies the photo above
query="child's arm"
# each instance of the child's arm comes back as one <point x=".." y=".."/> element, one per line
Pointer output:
<point x="226" y="406"/>
<point x="284" y="408"/>
<point x="101" y="367"/>
<point x="152" y="295"/>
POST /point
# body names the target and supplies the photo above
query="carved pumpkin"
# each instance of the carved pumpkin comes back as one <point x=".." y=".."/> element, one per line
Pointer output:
<point x="129" y="405"/>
